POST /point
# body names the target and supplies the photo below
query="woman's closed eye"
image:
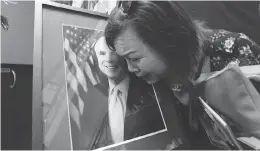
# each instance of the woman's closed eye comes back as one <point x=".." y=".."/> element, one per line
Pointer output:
<point x="134" y="59"/>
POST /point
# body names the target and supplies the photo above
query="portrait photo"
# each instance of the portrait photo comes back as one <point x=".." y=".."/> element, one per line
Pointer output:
<point x="109" y="107"/>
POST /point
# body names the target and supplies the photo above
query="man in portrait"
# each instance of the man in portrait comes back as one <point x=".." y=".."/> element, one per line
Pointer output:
<point x="132" y="107"/>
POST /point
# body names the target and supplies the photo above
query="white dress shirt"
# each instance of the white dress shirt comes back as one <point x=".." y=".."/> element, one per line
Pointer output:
<point x="117" y="108"/>
<point x="123" y="86"/>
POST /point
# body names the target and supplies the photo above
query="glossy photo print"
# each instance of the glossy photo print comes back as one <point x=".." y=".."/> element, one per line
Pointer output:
<point x="108" y="106"/>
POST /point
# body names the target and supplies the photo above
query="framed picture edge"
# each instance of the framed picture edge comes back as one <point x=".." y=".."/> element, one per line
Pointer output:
<point x="74" y="9"/>
<point x="37" y="103"/>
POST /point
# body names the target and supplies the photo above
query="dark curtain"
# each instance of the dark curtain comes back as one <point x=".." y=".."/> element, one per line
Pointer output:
<point x="236" y="16"/>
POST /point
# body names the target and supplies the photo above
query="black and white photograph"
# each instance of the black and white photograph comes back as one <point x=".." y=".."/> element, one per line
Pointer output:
<point x="130" y="75"/>
<point x="108" y="105"/>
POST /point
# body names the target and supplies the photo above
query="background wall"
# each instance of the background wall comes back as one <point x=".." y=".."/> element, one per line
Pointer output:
<point x="17" y="41"/>
<point x="17" y="54"/>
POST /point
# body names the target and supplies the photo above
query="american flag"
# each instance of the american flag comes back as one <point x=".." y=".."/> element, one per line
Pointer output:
<point x="80" y="67"/>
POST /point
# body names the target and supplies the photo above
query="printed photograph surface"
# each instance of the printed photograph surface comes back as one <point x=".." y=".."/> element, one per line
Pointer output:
<point x="108" y="105"/>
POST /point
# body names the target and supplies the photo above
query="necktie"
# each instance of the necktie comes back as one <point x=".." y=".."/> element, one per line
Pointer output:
<point x="116" y="116"/>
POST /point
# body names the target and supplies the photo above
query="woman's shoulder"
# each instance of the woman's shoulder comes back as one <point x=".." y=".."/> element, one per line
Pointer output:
<point x="228" y="39"/>
<point x="226" y="46"/>
<point x="223" y="37"/>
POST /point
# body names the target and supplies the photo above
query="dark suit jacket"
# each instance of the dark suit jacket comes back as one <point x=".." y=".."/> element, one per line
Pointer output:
<point x="145" y="114"/>
<point x="143" y="117"/>
<point x="146" y="118"/>
<point x="176" y="117"/>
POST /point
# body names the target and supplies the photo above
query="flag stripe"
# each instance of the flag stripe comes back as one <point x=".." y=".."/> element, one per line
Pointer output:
<point x="80" y="68"/>
<point x="79" y="74"/>
<point x="74" y="76"/>
<point x="79" y="90"/>
<point x="74" y="114"/>
<point x="74" y="87"/>
<point x="71" y="95"/>
<point x="87" y="69"/>
<point x="89" y="73"/>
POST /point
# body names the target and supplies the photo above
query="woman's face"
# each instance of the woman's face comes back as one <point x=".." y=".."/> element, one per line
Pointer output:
<point x="141" y="59"/>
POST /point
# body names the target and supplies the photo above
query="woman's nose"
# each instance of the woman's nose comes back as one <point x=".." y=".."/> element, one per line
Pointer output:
<point x="131" y="67"/>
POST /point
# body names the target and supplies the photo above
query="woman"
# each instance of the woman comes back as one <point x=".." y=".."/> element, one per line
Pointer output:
<point x="162" y="43"/>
